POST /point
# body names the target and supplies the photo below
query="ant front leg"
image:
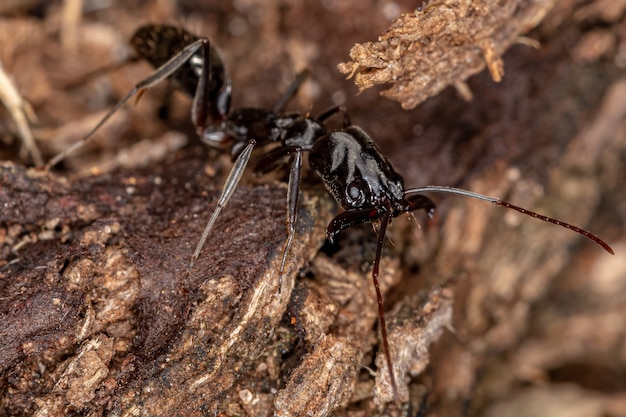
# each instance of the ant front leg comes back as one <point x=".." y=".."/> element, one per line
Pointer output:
<point x="158" y="75"/>
<point x="384" y="222"/>
<point x="383" y="215"/>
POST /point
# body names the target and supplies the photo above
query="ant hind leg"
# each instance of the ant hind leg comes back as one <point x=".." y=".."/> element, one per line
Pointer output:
<point x="158" y="75"/>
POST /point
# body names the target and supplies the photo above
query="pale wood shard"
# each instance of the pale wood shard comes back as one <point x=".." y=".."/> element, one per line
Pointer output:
<point x="22" y="115"/>
<point x="417" y="323"/>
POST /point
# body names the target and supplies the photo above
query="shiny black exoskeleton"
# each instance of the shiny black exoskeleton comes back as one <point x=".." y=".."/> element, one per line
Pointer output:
<point x="361" y="179"/>
<point x="350" y="165"/>
<point x="155" y="44"/>
<point x="206" y="80"/>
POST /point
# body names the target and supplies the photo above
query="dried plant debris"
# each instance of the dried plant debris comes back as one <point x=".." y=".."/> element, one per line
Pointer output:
<point x="21" y="113"/>
<point x="440" y="44"/>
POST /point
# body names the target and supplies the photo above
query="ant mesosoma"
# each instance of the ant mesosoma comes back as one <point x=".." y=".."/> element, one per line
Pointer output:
<point x="347" y="160"/>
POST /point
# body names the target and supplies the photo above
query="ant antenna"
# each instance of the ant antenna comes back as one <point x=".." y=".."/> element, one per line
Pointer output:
<point x="502" y="203"/>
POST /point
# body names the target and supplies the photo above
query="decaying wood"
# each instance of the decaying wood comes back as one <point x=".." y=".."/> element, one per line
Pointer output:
<point x="102" y="284"/>
<point x="442" y="43"/>
<point x="95" y="319"/>
<point x="113" y="291"/>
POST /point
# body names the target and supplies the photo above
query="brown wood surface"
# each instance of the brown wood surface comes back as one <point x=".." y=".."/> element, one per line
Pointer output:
<point x="490" y="313"/>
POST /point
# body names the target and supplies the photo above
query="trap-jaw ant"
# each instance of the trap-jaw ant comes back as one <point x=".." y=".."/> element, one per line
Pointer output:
<point x="347" y="160"/>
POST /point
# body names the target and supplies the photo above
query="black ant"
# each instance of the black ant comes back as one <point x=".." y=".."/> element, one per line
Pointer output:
<point x="350" y="165"/>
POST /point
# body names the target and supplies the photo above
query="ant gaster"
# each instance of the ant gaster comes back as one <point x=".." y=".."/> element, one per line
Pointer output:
<point x="350" y="165"/>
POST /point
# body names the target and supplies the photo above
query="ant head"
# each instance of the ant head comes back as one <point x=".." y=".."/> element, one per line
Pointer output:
<point x="355" y="172"/>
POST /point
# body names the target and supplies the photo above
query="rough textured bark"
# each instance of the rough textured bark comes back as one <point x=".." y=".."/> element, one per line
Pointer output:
<point x="96" y="320"/>
<point x="442" y="43"/>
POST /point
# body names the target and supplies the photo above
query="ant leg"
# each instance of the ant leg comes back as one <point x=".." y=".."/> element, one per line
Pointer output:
<point x="352" y="218"/>
<point x="348" y="219"/>
<point x="229" y="188"/>
<point x="271" y="161"/>
<point x="292" y="205"/>
<point x="201" y="106"/>
<point x="158" y="75"/>
<point x="291" y="91"/>
<point x="200" y="103"/>
<point x="386" y="219"/>
<point x="333" y="110"/>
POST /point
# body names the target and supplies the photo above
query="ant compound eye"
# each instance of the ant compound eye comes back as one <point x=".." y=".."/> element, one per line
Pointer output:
<point x="355" y="194"/>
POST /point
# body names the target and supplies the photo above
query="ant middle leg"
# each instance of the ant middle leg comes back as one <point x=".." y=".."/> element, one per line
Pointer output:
<point x="293" y="192"/>
<point x="334" y="110"/>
